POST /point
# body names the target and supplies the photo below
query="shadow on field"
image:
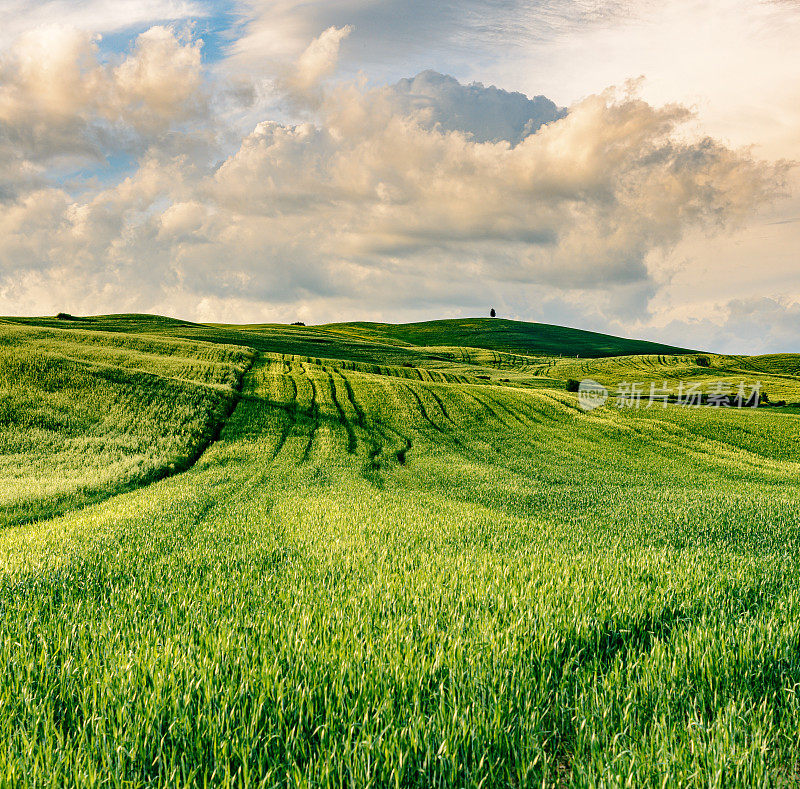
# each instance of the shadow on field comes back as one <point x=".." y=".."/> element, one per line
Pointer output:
<point x="61" y="504"/>
<point x="380" y="441"/>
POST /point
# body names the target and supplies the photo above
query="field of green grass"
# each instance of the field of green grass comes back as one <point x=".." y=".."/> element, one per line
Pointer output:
<point x="84" y="416"/>
<point x="505" y="335"/>
<point x="393" y="557"/>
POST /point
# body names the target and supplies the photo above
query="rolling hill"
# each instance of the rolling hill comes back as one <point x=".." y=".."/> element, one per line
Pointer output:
<point x="518" y="337"/>
<point x="368" y="555"/>
<point x="497" y="334"/>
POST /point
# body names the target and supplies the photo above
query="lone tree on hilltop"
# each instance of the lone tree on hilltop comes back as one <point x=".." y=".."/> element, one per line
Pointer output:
<point x="492" y="313"/>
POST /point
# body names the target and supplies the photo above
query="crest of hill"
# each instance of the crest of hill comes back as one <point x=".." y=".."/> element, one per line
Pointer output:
<point x="363" y="340"/>
<point x="505" y="335"/>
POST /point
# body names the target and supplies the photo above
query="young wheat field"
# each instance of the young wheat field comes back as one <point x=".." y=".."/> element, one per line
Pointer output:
<point x="367" y="555"/>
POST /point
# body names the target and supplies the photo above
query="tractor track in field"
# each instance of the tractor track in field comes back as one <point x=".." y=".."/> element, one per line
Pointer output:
<point x="170" y="469"/>
<point x="376" y="446"/>
<point x="485" y="406"/>
<point x="509" y="411"/>
<point x="314" y="411"/>
<point x="194" y="457"/>
<point x="361" y="420"/>
<point x="427" y="417"/>
<point x="424" y="411"/>
<point x="290" y="416"/>
<point x="441" y="405"/>
<point x="378" y="438"/>
<point x="352" y="439"/>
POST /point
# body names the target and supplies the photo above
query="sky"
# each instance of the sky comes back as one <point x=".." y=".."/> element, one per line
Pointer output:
<point x="624" y="166"/>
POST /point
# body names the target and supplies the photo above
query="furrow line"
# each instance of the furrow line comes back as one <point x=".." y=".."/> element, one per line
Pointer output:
<point x="352" y="441"/>
<point x="424" y="411"/>
<point x="314" y="411"/>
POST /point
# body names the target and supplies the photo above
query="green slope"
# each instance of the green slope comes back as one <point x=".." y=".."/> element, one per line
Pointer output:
<point x="391" y="575"/>
<point x="356" y="339"/>
<point x="274" y="338"/>
<point x="87" y="415"/>
<point x="505" y="335"/>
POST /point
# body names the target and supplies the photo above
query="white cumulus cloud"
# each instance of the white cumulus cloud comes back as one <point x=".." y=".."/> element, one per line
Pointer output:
<point x="58" y="98"/>
<point x="421" y="195"/>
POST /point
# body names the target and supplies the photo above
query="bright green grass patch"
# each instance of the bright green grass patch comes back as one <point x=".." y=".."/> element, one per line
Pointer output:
<point x="86" y="416"/>
<point x="777" y="373"/>
<point x="383" y="575"/>
<point x="372" y="580"/>
<point x="378" y="341"/>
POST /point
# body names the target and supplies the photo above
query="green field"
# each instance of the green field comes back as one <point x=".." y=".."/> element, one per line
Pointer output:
<point x="370" y="555"/>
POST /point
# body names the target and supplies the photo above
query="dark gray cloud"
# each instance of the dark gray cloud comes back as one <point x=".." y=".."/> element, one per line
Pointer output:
<point x="487" y="114"/>
<point x="755" y="325"/>
<point x="764" y="325"/>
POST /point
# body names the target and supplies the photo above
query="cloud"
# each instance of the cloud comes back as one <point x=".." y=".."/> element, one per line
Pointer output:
<point x="752" y="325"/>
<point x="486" y="114"/>
<point x="93" y="16"/>
<point x="765" y="325"/>
<point x="159" y="84"/>
<point x="281" y="29"/>
<point x="58" y="99"/>
<point x="456" y="35"/>
<point x="416" y="198"/>
<point x="733" y="60"/>
<point x="578" y="204"/>
<point x="317" y="62"/>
